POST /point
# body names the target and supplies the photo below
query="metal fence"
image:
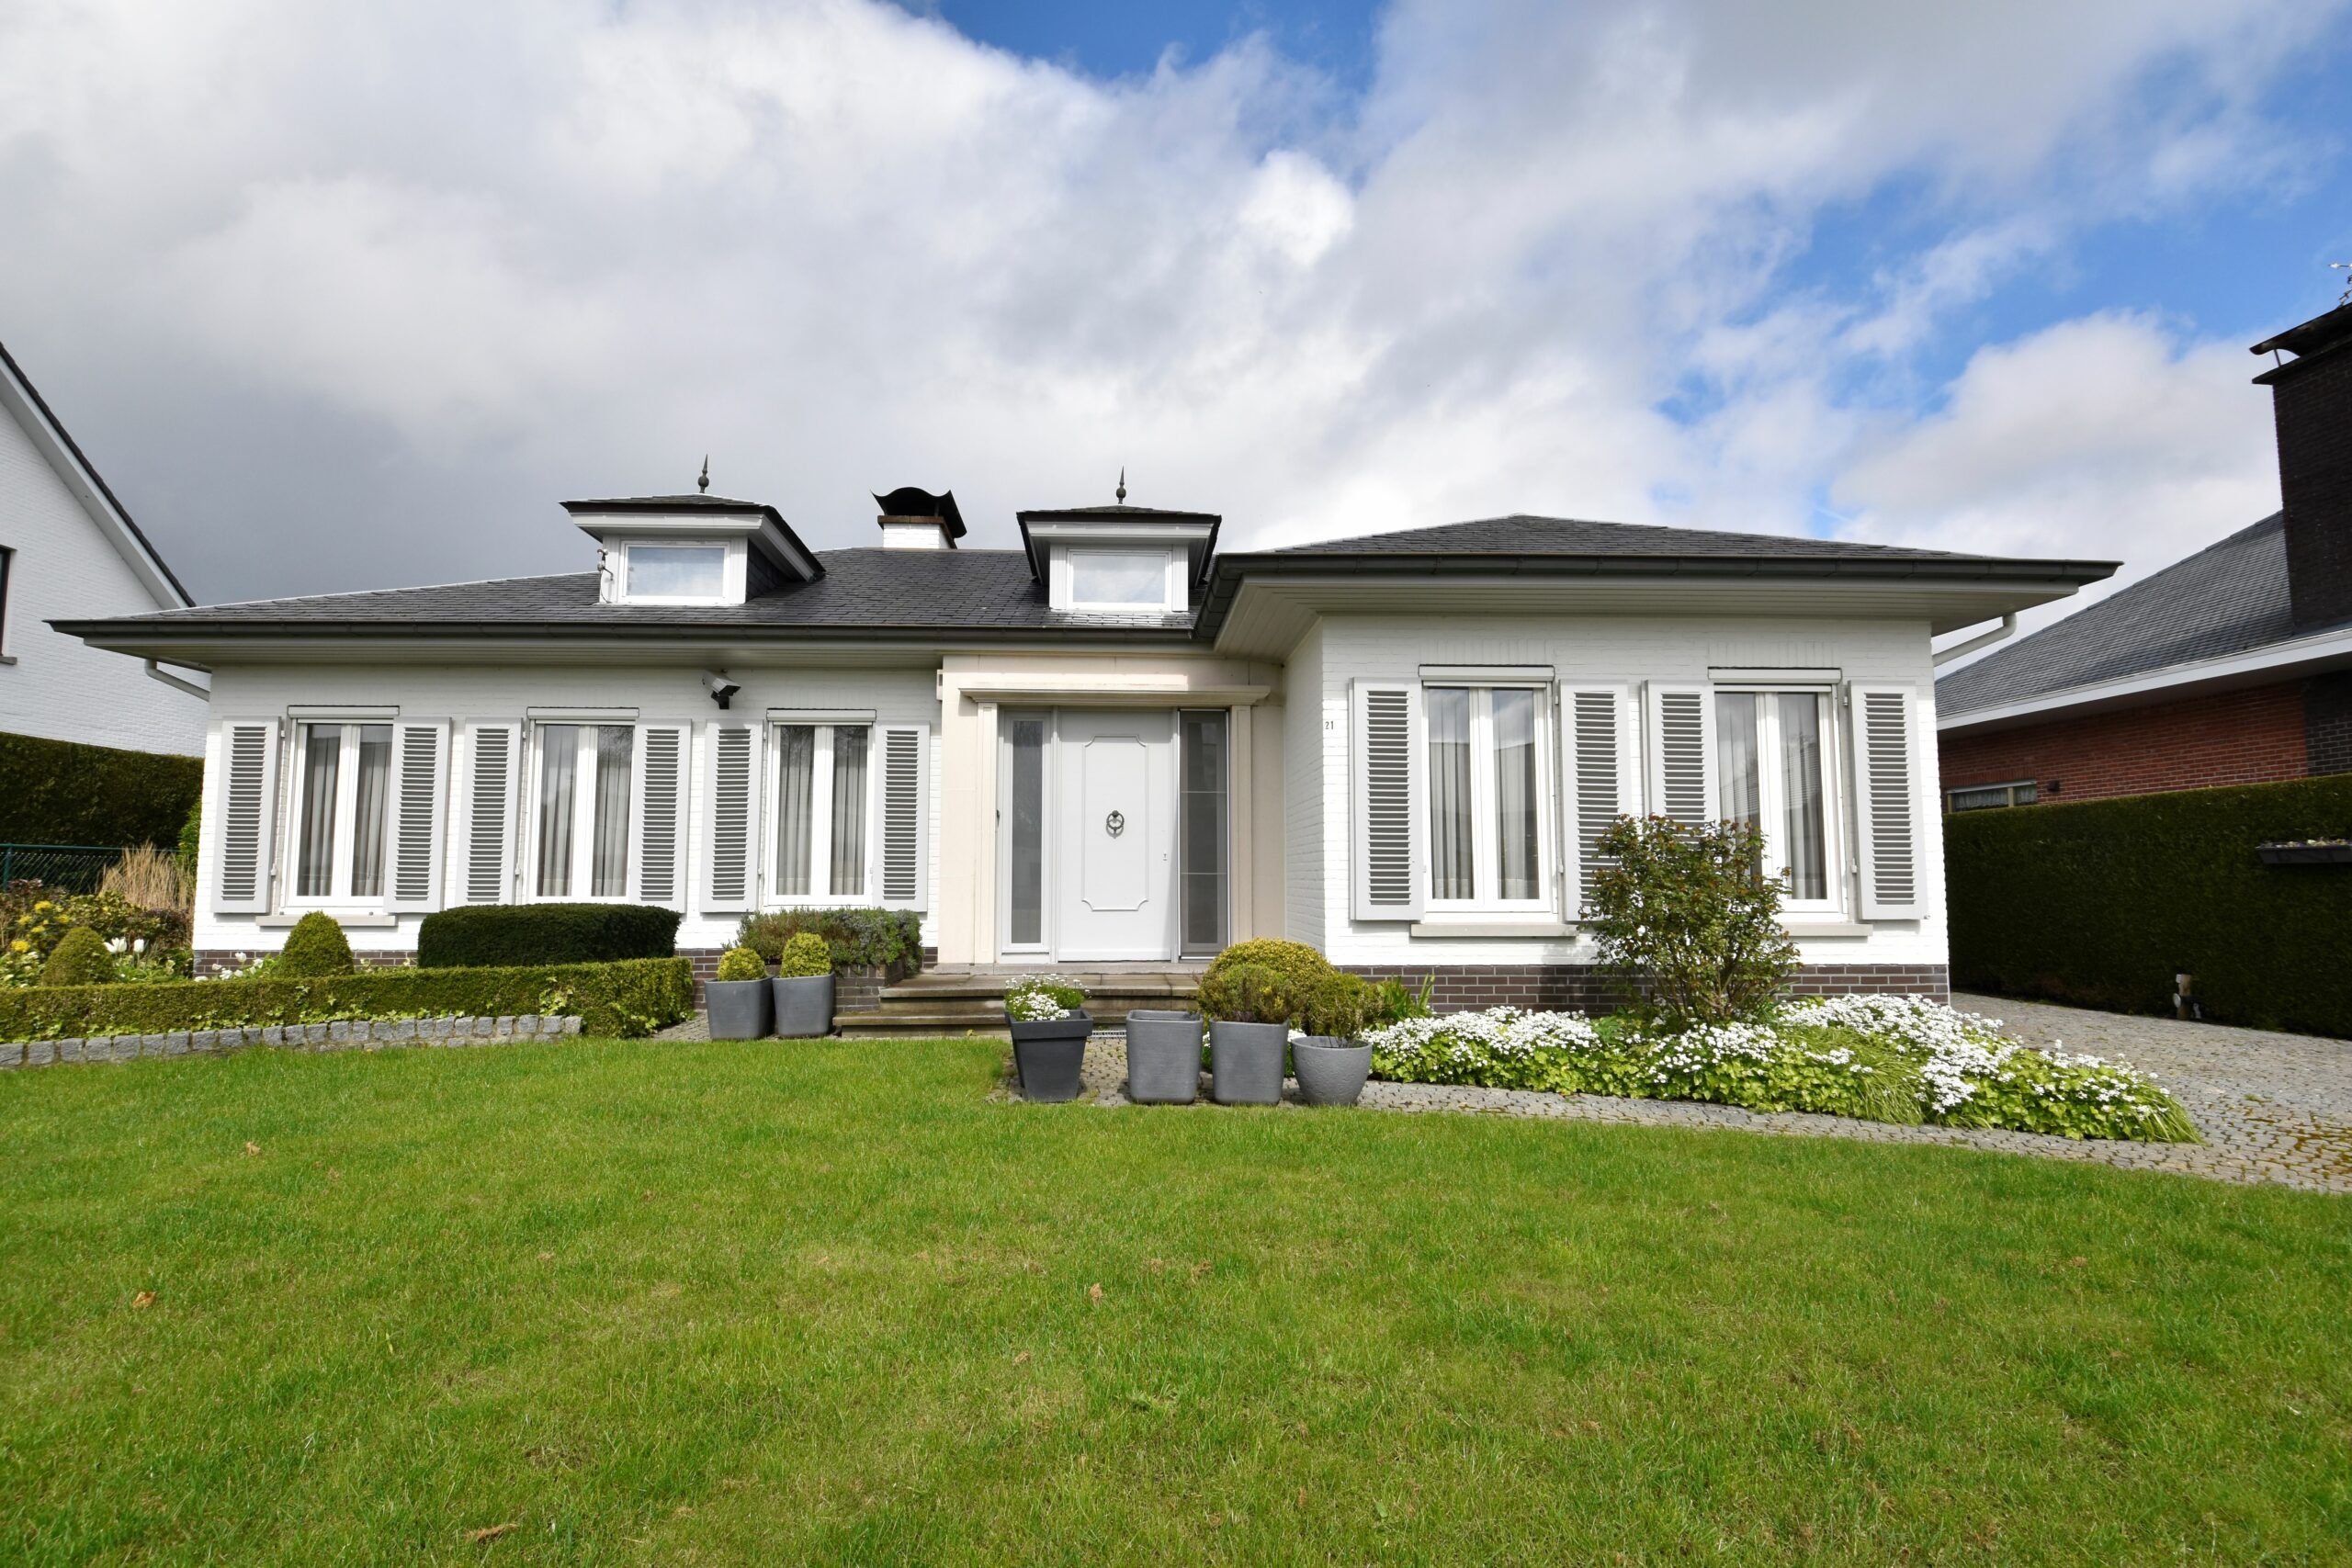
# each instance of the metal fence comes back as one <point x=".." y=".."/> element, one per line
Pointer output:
<point x="72" y="868"/>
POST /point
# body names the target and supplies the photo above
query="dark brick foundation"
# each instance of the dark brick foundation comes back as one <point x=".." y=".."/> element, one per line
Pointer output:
<point x="212" y="961"/>
<point x="856" y="986"/>
<point x="1583" y="987"/>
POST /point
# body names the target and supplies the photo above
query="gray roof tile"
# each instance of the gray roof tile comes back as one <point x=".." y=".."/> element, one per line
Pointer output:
<point x="2227" y="598"/>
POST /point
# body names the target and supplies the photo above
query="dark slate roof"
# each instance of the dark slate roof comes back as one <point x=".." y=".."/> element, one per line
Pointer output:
<point x="866" y="592"/>
<point x="1519" y="535"/>
<point x="2227" y="598"/>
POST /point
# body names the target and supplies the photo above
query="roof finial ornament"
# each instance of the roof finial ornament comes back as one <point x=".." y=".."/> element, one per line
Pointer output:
<point x="702" y="485"/>
<point x="1123" y="484"/>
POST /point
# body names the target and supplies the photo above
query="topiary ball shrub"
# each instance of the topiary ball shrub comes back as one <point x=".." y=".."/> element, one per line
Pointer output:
<point x="805" y="957"/>
<point x="741" y="963"/>
<point x="1249" y="993"/>
<point x="80" y="958"/>
<point x="1301" y="967"/>
<point x="508" y="935"/>
<point x="1335" y="1008"/>
<point x="316" y="946"/>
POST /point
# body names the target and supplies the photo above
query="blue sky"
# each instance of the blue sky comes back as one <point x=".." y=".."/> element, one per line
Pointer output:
<point x="349" y="298"/>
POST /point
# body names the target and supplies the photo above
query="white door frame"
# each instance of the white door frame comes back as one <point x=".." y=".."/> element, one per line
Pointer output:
<point x="1054" y="945"/>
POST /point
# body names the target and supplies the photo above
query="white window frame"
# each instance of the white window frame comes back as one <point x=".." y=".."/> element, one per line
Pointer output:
<point x="1772" y="799"/>
<point x="346" y="811"/>
<point x="1063" y="587"/>
<point x="1485" y="842"/>
<point x="733" y="565"/>
<point x="584" y="811"/>
<point x="821" y="814"/>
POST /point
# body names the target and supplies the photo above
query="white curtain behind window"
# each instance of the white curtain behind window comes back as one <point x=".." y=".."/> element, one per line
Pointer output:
<point x="849" y="812"/>
<point x="608" y="870"/>
<point x="559" y="770"/>
<point x="1449" y="854"/>
<point x="322" y="765"/>
<point x="795" y="776"/>
<point x="1738" y="767"/>
<point x="1800" y="717"/>
<point x="1515" y="792"/>
<point x="374" y="783"/>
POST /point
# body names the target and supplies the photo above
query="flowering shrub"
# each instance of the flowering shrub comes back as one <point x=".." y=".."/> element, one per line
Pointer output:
<point x="1896" y="1059"/>
<point x="1686" y="917"/>
<point x="1041" y="998"/>
<point x="34" y="919"/>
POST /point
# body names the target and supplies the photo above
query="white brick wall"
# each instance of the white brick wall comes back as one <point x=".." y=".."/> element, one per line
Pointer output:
<point x="1589" y="649"/>
<point x="1307" y="759"/>
<point x="65" y="569"/>
<point x="665" y="694"/>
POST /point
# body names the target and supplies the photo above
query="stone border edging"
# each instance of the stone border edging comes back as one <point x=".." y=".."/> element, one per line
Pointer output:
<point x="348" y="1034"/>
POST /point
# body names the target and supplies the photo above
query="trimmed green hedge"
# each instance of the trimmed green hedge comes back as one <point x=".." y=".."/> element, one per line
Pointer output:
<point x="476" y="935"/>
<point x="629" y="998"/>
<point x="2102" y="902"/>
<point x="59" y="791"/>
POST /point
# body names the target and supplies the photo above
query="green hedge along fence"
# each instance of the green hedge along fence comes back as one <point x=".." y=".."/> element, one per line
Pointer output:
<point x="2102" y="902"/>
<point x="629" y="998"/>
<point x="58" y="792"/>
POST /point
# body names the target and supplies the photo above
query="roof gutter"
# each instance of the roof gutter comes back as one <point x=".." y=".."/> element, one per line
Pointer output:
<point x="2002" y="633"/>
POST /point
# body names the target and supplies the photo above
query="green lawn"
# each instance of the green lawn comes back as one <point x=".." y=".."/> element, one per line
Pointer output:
<point x="766" y="1303"/>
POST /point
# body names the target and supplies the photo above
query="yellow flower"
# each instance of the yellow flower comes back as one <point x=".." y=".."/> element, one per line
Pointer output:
<point x="43" y="904"/>
<point x="20" y="945"/>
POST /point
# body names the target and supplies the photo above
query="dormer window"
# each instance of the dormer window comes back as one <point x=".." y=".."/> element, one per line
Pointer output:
<point x="1120" y="579"/>
<point x="675" y="574"/>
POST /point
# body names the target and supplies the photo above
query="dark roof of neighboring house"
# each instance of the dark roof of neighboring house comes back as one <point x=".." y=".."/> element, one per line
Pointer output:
<point x="65" y="439"/>
<point x="2227" y="598"/>
<point x="878" y="593"/>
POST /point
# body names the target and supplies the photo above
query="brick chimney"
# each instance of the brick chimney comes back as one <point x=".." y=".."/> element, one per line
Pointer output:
<point x="2311" y="398"/>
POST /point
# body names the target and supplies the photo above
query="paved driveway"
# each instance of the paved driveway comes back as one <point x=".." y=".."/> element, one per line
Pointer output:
<point x="2272" y="1107"/>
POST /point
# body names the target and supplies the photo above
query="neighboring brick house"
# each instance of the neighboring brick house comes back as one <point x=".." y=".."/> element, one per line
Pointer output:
<point x="2234" y="666"/>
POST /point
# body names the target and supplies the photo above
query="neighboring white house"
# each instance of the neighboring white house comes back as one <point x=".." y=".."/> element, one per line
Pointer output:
<point x="1112" y="744"/>
<point x="68" y="549"/>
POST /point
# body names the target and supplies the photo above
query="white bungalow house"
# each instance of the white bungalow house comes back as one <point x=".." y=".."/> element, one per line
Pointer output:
<point x="1113" y="744"/>
<point x="67" y="547"/>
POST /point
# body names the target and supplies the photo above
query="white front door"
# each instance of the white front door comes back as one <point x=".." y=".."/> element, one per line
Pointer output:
<point x="1114" y="814"/>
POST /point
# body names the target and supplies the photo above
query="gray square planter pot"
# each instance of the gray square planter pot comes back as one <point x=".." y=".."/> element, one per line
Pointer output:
<point x="739" y="1008"/>
<point x="1050" y="1056"/>
<point x="804" y="1007"/>
<point x="1246" y="1063"/>
<point x="1331" y="1072"/>
<point x="1163" y="1057"/>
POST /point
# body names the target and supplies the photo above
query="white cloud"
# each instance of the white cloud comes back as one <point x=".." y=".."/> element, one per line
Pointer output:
<point x="2104" y="438"/>
<point x="449" y="263"/>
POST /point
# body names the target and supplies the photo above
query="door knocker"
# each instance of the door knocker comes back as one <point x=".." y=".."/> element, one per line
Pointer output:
<point x="1115" y="824"/>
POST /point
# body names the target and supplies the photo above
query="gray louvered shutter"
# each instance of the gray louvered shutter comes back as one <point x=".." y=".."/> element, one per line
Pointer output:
<point x="730" y="808"/>
<point x="485" y="864"/>
<point x="1391" y="820"/>
<point x="661" y="818"/>
<point x="903" y="809"/>
<point x="1683" y="752"/>
<point x="1886" y="796"/>
<point x="1603" y="778"/>
<point x="420" y="780"/>
<point x="244" y="815"/>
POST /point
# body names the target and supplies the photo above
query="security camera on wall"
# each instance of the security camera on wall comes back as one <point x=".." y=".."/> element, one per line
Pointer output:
<point x="719" y="687"/>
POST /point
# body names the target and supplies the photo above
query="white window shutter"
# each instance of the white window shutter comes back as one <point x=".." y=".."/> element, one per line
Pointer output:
<point x="730" y="814"/>
<point x="1602" y="777"/>
<point x="1390" y="859"/>
<point x="1886" y="796"/>
<point x="1683" y="752"/>
<point x="661" y="815"/>
<point x="484" y="861"/>
<point x="903" y="800"/>
<point x="420" y="786"/>
<point x="245" y="817"/>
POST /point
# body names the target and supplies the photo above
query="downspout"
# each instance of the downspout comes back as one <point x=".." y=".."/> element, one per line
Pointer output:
<point x="202" y="694"/>
<point x="2007" y="629"/>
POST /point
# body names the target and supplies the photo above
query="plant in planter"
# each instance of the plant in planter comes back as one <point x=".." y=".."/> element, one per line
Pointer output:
<point x="1163" y="1056"/>
<point x="1250" y="1008"/>
<point x="804" y="988"/>
<point x="1333" y="1061"/>
<point x="1049" y="1026"/>
<point x="739" y="998"/>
